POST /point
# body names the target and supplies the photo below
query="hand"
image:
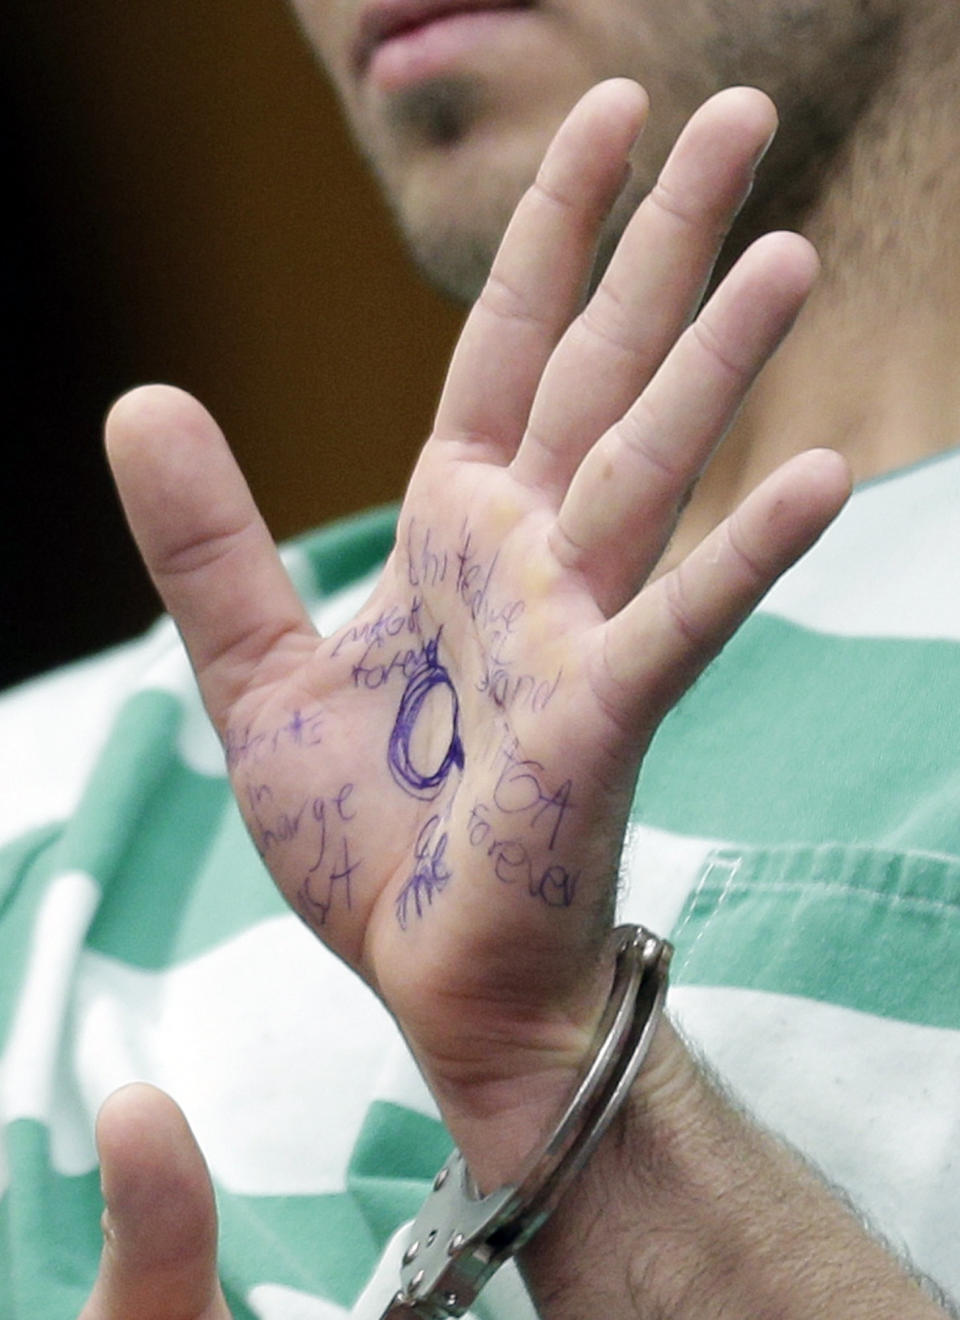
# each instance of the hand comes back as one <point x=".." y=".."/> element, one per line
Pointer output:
<point x="441" y="788"/>
<point x="159" y="1227"/>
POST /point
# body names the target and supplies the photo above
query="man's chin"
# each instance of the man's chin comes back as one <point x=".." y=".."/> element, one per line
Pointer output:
<point x="455" y="260"/>
<point x="433" y="115"/>
<point x="453" y="188"/>
<point x="454" y="162"/>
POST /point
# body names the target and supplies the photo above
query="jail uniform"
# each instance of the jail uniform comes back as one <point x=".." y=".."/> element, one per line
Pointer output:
<point x="796" y="831"/>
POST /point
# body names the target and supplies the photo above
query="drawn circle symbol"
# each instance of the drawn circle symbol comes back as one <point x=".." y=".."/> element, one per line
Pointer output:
<point x="423" y="784"/>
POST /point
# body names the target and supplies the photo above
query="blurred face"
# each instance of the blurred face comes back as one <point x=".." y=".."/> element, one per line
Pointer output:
<point x="454" y="101"/>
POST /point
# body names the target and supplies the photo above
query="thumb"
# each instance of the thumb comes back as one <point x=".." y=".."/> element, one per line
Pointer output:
<point x="159" y="1257"/>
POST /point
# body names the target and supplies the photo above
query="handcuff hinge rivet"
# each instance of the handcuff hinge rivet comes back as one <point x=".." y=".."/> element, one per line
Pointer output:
<point x="455" y="1243"/>
<point x="411" y="1252"/>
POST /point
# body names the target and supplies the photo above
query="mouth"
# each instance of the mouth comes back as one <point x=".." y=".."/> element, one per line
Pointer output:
<point x="388" y="20"/>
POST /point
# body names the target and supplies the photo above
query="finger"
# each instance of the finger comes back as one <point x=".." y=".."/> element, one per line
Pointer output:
<point x="651" y="288"/>
<point x="204" y="543"/>
<point x="160" y="1226"/>
<point x="539" y="275"/>
<point x="657" y="645"/>
<point x="621" y="506"/>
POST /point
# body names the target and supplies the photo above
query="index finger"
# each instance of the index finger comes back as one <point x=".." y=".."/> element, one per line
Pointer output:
<point x="540" y="273"/>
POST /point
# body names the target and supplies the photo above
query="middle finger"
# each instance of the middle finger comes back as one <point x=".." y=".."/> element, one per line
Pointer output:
<point x="651" y="289"/>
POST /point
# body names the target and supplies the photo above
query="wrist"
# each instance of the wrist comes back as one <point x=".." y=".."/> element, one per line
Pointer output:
<point x="557" y="1115"/>
<point x="566" y="1101"/>
<point x="691" y="1211"/>
<point x="461" y="1237"/>
<point x="499" y="1108"/>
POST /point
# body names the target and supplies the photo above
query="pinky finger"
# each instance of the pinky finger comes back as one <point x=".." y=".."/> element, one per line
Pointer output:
<point x="658" y="644"/>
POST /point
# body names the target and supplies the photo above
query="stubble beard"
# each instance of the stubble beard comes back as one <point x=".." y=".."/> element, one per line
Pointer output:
<point x="452" y="250"/>
<point x="436" y="114"/>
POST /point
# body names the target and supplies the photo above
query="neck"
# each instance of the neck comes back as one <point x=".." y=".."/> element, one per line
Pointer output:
<point x="871" y="365"/>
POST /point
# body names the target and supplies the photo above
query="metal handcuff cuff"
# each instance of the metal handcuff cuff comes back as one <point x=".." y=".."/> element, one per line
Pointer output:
<point x="460" y="1238"/>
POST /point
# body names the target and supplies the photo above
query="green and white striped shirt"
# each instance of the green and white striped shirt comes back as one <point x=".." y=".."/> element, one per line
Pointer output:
<point x="797" y="829"/>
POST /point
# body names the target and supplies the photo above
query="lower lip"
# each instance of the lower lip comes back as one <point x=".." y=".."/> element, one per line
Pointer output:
<point x="437" y="48"/>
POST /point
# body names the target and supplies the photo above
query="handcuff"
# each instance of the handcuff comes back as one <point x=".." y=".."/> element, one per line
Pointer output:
<point x="460" y="1238"/>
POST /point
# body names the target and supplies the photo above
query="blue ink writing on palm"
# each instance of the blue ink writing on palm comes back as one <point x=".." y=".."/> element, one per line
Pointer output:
<point x="425" y="684"/>
<point x="431" y="872"/>
<point x="242" y="746"/>
<point x="315" y="904"/>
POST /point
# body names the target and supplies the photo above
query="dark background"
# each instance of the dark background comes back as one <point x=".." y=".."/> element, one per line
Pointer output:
<point x="183" y="205"/>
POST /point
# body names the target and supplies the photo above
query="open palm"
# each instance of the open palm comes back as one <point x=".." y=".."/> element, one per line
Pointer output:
<point x="440" y="788"/>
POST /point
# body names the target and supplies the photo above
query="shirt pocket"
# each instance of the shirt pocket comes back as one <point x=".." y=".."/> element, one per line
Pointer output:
<point x="868" y="929"/>
<point x="823" y="986"/>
